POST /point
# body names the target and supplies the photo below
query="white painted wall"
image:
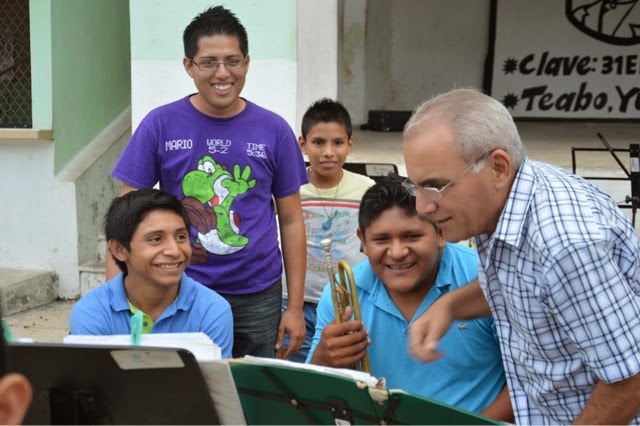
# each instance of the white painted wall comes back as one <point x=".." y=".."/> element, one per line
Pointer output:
<point x="157" y="74"/>
<point x="317" y="54"/>
<point x="270" y="84"/>
<point x="27" y="193"/>
<point x="39" y="224"/>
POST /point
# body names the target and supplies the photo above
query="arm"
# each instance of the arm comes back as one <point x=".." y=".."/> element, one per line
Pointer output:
<point x="612" y="403"/>
<point x="341" y="345"/>
<point x="294" y="254"/>
<point x="88" y="318"/>
<point x="500" y="409"/>
<point x="111" y="269"/>
<point x="466" y="302"/>
<point x="219" y="326"/>
<point x="598" y="309"/>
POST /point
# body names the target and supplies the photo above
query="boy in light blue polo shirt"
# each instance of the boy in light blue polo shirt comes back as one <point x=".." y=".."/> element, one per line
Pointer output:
<point x="408" y="266"/>
<point x="147" y="233"/>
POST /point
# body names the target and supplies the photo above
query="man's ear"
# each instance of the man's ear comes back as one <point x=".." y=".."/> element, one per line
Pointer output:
<point x="501" y="168"/>
<point x="363" y="243"/>
<point x="350" y="143"/>
<point x="118" y="250"/>
<point x="15" y="397"/>
<point x="188" y="66"/>
<point x="303" y="144"/>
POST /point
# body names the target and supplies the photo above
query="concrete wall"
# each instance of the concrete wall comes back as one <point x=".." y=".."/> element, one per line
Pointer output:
<point x="55" y="192"/>
<point x="377" y="74"/>
<point x="352" y="81"/>
<point x="413" y="49"/>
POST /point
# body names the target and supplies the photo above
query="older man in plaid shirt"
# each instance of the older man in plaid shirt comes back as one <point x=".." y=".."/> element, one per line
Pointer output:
<point x="559" y="263"/>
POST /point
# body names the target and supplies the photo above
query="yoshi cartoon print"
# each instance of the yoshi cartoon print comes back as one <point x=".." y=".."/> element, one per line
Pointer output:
<point x="209" y="193"/>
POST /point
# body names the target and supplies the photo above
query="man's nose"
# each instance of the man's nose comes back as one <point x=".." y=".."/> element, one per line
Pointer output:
<point x="424" y="205"/>
<point x="222" y="70"/>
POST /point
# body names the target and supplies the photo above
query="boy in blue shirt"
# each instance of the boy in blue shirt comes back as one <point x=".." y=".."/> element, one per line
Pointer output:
<point x="408" y="266"/>
<point x="147" y="234"/>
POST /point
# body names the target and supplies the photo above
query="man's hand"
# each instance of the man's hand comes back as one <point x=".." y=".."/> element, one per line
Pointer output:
<point x="291" y="323"/>
<point x="466" y="302"/>
<point x="425" y="332"/>
<point x="341" y="345"/>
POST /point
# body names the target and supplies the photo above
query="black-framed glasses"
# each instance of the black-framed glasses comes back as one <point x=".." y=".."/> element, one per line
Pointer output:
<point x="432" y="194"/>
<point x="233" y="64"/>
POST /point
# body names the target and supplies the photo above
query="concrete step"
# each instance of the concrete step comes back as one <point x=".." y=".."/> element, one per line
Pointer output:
<point x="91" y="276"/>
<point x="48" y="323"/>
<point x="23" y="289"/>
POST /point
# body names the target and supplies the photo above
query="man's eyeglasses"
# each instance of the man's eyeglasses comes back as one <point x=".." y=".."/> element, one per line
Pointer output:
<point x="434" y="194"/>
<point x="233" y="64"/>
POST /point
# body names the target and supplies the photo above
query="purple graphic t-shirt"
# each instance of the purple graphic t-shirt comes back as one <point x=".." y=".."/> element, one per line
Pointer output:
<point x="226" y="171"/>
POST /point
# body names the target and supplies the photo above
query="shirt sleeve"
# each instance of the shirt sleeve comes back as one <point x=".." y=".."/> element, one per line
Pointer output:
<point x="138" y="165"/>
<point x="219" y="327"/>
<point x="89" y="318"/>
<point x="325" y="315"/>
<point x="291" y="172"/>
<point x="595" y="305"/>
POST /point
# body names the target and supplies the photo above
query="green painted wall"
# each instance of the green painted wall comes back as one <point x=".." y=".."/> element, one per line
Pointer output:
<point x="40" y="24"/>
<point x="266" y="40"/>
<point x="91" y="70"/>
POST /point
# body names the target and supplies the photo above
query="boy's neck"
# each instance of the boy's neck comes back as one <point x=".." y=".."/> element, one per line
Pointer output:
<point x="322" y="182"/>
<point x="150" y="299"/>
<point x="408" y="303"/>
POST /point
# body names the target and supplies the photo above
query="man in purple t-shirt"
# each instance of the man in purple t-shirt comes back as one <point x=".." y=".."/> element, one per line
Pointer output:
<point x="232" y="164"/>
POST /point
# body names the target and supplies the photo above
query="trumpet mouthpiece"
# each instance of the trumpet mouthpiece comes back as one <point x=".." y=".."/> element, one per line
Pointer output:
<point x="325" y="243"/>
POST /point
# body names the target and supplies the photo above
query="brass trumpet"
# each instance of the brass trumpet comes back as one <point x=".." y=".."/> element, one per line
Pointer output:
<point x="343" y="297"/>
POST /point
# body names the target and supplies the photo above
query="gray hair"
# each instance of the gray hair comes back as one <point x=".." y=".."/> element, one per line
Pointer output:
<point x="479" y="122"/>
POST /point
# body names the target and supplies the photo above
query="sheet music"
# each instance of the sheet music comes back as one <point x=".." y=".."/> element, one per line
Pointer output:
<point x="358" y="376"/>
<point x="199" y="344"/>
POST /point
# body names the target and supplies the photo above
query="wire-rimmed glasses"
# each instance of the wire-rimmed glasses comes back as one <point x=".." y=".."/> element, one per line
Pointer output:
<point x="435" y="194"/>
<point x="232" y="64"/>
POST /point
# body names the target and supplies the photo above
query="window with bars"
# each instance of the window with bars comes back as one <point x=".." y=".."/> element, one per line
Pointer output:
<point x="15" y="65"/>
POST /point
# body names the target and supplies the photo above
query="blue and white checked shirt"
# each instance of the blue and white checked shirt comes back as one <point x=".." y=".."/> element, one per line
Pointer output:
<point x="561" y="274"/>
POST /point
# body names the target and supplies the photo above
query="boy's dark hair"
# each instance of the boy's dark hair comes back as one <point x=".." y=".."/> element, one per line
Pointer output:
<point x="326" y="110"/>
<point x="387" y="193"/>
<point x="127" y="211"/>
<point x="214" y="21"/>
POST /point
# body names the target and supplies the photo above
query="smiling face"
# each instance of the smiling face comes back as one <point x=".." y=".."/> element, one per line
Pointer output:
<point x="327" y="146"/>
<point x="159" y="251"/>
<point x="218" y="89"/>
<point x="468" y="205"/>
<point x="404" y="252"/>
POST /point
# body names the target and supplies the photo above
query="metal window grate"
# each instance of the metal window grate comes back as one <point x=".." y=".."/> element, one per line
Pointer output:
<point x="15" y="65"/>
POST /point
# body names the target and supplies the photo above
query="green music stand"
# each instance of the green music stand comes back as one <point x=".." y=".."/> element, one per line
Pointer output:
<point x="288" y="395"/>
